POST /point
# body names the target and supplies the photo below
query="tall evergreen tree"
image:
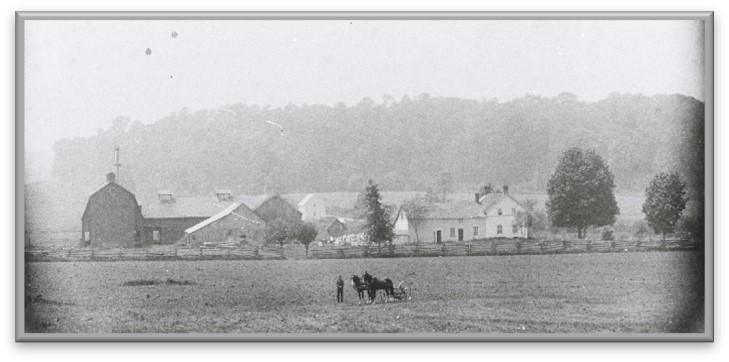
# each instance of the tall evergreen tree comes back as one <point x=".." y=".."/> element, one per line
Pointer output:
<point x="377" y="223"/>
<point x="664" y="202"/>
<point x="581" y="192"/>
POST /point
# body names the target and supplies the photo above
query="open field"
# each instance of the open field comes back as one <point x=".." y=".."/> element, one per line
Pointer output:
<point x="570" y="293"/>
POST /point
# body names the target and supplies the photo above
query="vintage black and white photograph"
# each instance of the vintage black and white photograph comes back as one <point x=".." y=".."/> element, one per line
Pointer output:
<point x="354" y="176"/>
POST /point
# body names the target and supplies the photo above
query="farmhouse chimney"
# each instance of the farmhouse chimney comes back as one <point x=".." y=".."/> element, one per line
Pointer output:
<point x="224" y="195"/>
<point x="111" y="177"/>
<point x="165" y="197"/>
<point x="506" y="189"/>
<point x="478" y="198"/>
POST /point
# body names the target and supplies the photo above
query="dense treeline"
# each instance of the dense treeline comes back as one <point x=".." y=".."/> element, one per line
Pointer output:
<point x="404" y="145"/>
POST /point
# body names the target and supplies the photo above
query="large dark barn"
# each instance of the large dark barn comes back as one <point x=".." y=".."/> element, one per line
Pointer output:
<point x="112" y="217"/>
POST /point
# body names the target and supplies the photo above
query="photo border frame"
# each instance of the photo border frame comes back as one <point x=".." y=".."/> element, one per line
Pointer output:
<point x="707" y="336"/>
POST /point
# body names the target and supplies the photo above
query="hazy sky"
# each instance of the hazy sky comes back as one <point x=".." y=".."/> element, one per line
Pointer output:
<point x="79" y="75"/>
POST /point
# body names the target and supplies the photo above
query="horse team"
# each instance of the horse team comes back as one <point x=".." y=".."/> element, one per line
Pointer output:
<point x="371" y="285"/>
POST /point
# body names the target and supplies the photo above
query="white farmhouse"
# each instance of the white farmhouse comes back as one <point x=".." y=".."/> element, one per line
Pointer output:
<point x="490" y="215"/>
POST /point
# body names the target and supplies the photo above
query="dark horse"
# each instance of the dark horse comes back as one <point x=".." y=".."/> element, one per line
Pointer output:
<point x="372" y="285"/>
<point x="360" y="286"/>
<point x="386" y="285"/>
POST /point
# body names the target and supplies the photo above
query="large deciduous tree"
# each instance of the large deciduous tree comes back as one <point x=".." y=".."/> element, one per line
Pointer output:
<point x="581" y="192"/>
<point x="377" y="223"/>
<point x="305" y="233"/>
<point x="278" y="231"/>
<point x="664" y="202"/>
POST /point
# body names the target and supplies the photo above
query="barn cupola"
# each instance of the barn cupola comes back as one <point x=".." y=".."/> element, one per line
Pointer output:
<point x="224" y="195"/>
<point x="111" y="177"/>
<point x="486" y="189"/>
<point x="165" y="196"/>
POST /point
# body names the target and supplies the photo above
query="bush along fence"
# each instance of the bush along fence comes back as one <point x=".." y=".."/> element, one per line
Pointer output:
<point x="244" y="253"/>
<point x="502" y="247"/>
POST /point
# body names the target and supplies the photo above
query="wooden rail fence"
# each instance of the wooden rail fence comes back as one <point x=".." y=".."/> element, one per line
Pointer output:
<point x="502" y="247"/>
<point x="87" y="254"/>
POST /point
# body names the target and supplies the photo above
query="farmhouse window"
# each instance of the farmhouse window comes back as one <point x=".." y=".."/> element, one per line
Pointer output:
<point x="475" y="231"/>
<point x="499" y="229"/>
<point x="514" y="228"/>
<point x="453" y="232"/>
<point x="87" y="236"/>
<point x="155" y="235"/>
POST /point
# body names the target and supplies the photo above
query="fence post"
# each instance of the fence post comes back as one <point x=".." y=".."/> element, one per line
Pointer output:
<point x="564" y="245"/>
<point x="92" y="254"/>
<point x="588" y="245"/>
<point x="201" y="251"/>
<point x="493" y="245"/>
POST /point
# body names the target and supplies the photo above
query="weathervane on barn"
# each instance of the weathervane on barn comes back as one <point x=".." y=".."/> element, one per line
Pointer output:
<point x="117" y="164"/>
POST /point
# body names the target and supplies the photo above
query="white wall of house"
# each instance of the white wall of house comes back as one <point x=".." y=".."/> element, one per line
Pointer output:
<point x="312" y="208"/>
<point x="400" y="228"/>
<point x="401" y="224"/>
<point x="502" y="218"/>
<point x="472" y="229"/>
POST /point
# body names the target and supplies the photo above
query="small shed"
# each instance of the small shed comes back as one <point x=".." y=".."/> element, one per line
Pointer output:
<point x="336" y="228"/>
<point x="236" y="224"/>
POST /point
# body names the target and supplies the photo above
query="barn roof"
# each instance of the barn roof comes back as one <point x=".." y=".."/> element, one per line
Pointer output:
<point x="254" y="202"/>
<point x="237" y="209"/>
<point x="305" y="200"/>
<point x="294" y="199"/>
<point x="184" y="207"/>
<point x="198" y="206"/>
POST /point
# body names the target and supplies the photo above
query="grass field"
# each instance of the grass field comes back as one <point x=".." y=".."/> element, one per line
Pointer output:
<point x="576" y="293"/>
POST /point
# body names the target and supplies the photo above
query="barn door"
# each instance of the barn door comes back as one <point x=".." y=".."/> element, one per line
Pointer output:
<point x="438" y="237"/>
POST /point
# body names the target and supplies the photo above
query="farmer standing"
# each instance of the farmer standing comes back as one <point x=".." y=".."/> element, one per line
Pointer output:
<point x="340" y="290"/>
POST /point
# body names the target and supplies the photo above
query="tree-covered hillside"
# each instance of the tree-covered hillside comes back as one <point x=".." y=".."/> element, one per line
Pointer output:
<point x="403" y="145"/>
